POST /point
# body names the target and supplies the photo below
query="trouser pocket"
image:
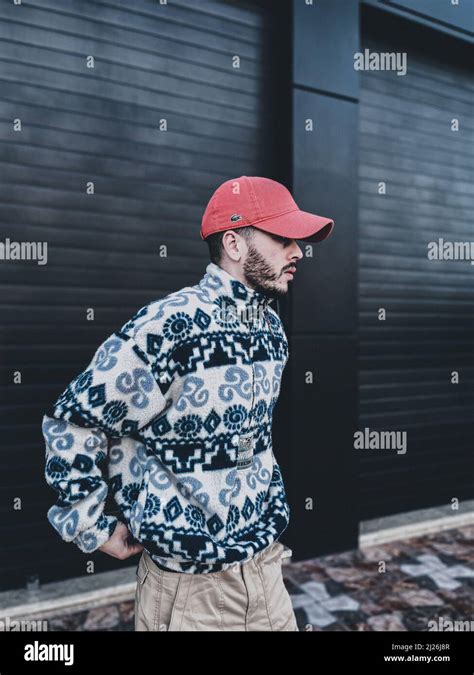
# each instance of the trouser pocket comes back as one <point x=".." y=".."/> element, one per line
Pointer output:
<point x="157" y="595"/>
<point x="278" y="601"/>
<point x="144" y="598"/>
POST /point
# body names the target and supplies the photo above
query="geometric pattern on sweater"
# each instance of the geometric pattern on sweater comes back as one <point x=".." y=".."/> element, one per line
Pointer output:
<point x="155" y="420"/>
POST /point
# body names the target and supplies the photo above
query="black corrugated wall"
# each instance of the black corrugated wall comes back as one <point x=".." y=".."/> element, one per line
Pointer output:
<point x="406" y="362"/>
<point x="152" y="62"/>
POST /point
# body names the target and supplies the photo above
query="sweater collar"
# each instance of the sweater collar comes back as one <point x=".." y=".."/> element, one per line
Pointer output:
<point x="228" y="291"/>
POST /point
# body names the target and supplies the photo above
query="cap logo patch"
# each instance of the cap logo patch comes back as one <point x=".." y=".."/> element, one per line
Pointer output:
<point x="235" y="218"/>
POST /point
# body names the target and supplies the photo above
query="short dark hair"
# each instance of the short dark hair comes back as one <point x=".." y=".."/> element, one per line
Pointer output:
<point x="214" y="241"/>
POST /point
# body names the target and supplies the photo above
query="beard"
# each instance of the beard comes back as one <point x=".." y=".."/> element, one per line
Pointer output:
<point x="261" y="276"/>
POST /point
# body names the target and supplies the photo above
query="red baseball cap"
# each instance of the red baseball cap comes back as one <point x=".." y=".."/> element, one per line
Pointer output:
<point x="265" y="204"/>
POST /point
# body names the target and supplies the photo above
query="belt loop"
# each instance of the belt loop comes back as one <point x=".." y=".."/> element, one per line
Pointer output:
<point x="145" y="561"/>
<point x="142" y="569"/>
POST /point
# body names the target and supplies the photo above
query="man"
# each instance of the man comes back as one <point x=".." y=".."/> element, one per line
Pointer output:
<point x="173" y="418"/>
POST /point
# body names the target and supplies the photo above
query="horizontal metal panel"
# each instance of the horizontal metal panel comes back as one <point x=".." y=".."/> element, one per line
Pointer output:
<point x="454" y="14"/>
<point x="406" y="361"/>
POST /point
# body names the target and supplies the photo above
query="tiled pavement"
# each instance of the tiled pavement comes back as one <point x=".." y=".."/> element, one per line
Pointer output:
<point x="425" y="578"/>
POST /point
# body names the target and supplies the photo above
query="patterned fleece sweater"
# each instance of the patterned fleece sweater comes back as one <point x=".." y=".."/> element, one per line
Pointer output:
<point x="172" y="419"/>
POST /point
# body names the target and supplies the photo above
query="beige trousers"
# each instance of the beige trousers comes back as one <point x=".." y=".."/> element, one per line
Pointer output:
<point x="246" y="597"/>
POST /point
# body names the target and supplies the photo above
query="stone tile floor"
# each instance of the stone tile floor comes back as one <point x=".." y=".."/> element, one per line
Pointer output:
<point x="425" y="578"/>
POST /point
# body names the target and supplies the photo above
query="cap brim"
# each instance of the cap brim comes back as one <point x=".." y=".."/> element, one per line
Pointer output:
<point x="299" y="225"/>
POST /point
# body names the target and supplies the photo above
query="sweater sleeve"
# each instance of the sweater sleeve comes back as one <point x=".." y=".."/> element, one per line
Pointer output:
<point x="116" y="395"/>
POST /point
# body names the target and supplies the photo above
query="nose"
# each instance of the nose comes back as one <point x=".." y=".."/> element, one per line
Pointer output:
<point x="296" y="252"/>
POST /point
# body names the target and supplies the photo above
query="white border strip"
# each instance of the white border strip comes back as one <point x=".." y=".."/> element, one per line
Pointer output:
<point x="71" y="603"/>
<point x="415" y="529"/>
